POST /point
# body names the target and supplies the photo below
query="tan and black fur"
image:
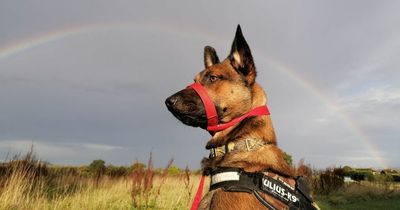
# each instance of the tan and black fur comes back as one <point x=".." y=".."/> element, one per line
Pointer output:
<point x="232" y="86"/>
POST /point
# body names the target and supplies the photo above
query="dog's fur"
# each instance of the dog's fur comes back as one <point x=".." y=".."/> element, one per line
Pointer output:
<point x="232" y="87"/>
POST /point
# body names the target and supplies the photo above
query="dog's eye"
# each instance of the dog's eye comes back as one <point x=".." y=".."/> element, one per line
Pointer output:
<point x="213" y="78"/>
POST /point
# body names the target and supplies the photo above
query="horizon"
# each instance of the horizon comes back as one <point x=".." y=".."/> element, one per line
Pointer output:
<point x="169" y="163"/>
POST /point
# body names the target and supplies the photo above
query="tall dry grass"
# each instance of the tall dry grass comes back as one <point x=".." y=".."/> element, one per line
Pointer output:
<point x="110" y="194"/>
<point x="23" y="185"/>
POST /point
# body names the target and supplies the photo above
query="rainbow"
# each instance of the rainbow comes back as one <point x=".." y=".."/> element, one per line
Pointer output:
<point x="190" y="33"/>
<point x="24" y="45"/>
<point x="350" y="123"/>
<point x="57" y="35"/>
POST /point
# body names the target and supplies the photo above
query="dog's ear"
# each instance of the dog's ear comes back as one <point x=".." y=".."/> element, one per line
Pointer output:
<point x="210" y="56"/>
<point x="241" y="58"/>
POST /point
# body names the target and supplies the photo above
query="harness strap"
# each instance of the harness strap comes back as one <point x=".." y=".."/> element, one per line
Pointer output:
<point x="263" y="201"/>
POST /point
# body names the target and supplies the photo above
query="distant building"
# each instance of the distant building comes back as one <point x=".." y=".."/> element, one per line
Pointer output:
<point x="348" y="179"/>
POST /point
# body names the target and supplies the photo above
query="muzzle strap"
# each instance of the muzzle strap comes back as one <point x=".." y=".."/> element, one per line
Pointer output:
<point x="211" y="112"/>
<point x="261" y="110"/>
<point x="212" y="115"/>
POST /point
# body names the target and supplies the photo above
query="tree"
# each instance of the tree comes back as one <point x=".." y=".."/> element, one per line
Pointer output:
<point x="97" y="168"/>
<point x="138" y="166"/>
<point x="347" y="169"/>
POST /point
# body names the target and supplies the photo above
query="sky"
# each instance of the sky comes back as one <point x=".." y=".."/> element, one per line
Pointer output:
<point x="84" y="80"/>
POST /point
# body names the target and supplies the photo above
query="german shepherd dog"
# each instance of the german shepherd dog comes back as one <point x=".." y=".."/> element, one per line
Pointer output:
<point x="247" y="146"/>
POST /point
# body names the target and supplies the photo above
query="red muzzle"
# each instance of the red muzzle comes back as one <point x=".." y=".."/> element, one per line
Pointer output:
<point x="212" y="115"/>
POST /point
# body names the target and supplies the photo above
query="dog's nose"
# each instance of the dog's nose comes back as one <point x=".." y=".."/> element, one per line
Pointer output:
<point x="171" y="101"/>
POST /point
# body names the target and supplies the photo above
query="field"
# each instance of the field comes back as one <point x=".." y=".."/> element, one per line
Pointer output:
<point x="110" y="194"/>
<point x="28" y="184"/>
<point x="365" y="195"/>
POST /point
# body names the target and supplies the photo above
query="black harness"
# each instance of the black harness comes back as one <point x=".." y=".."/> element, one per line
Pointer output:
<point x="238" y="180"/>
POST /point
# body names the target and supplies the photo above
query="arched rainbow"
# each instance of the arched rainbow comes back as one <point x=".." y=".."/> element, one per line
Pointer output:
<point x="56" y="35"/>
<point x="350" y="123"/>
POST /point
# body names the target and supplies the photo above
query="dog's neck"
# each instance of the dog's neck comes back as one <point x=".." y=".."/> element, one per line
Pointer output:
<point x="261" y="126"/>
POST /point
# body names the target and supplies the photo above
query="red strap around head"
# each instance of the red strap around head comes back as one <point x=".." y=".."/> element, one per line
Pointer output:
<point x="261" y="110"/>
<point x="212" y="115"/>
<point x="211" y="112"/>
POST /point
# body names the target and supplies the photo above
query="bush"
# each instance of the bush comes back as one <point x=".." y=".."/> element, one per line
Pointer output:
<point x="174" y="170"/>
<point x="328" y="182"/>
<point x="137" y="166"/>
<point x="116" y="171"/>
<point x="396" y="178"/>
<point x="360" y="175"/>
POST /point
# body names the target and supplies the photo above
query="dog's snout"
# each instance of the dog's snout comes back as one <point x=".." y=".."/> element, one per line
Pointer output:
<point x="187" y="107"/>
<point x="171" y="101"/>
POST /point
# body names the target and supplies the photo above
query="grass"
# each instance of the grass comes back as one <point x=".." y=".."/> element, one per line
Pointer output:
<point x="363" y="195"/>
<point x="115" y="194"/>
<point x="27" y="184"/>
<point x="385" y="204"/>
<point x="20" y="193"/>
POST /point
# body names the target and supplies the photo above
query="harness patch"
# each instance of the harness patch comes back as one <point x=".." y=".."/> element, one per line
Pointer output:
<point x="279" y="190"/>
<point x="225" y="176"/>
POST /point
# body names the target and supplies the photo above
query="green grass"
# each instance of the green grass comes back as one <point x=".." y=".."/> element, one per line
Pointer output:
<point x="386" y="204"/>
<point x="364" y="195"/>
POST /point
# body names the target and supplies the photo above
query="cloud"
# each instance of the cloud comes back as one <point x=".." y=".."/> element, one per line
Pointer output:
<point x="20" y="146"/>
<point x="381" y="95"/>
<point x="101" y="94"/>
<point x="376" y="105"/>
<point x="375" y="110"/>
<point x="99" y="147"/>
<point x="50" y="151"/>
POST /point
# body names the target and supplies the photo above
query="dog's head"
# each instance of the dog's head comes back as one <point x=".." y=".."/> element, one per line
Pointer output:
<point x="228" y="83"/>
